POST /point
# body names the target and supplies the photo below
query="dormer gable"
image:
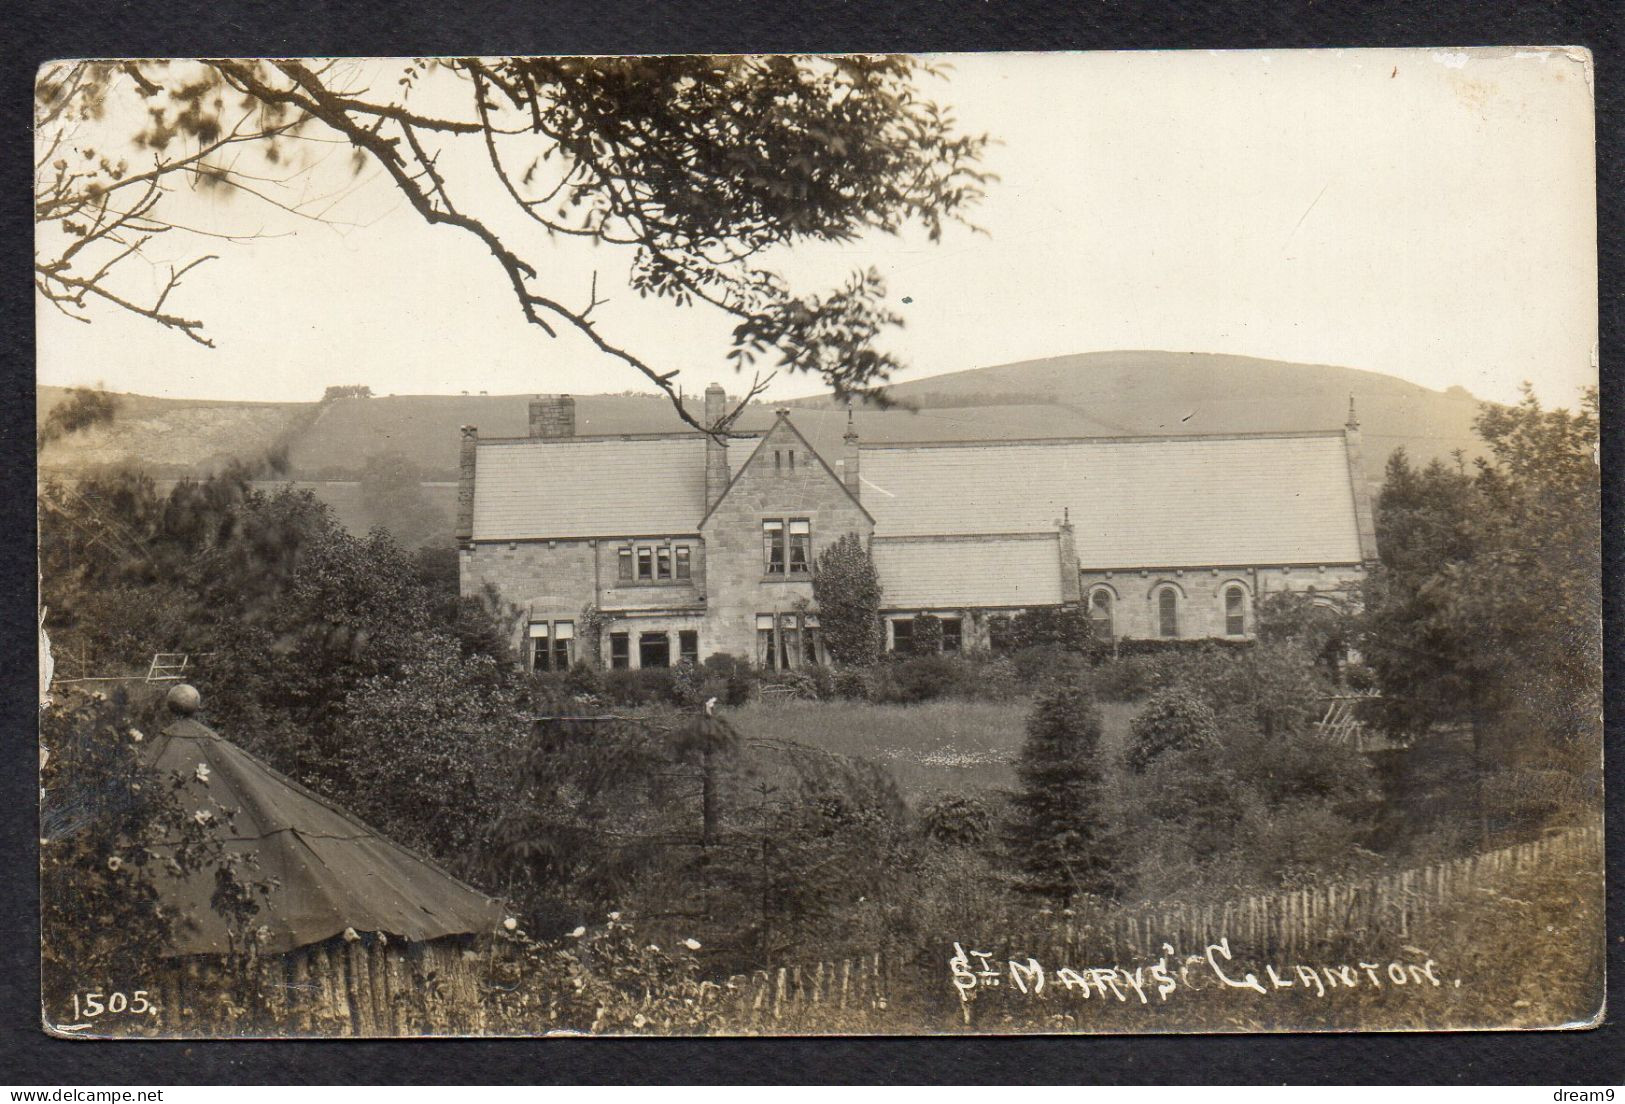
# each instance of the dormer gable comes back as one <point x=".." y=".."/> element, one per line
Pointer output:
<point x="785" y="472"/>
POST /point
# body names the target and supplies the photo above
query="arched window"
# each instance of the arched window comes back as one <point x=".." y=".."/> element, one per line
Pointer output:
<point x="1235" y="610"/>
<point x="1100" y="614"/>
<point x="1168" y="612"/>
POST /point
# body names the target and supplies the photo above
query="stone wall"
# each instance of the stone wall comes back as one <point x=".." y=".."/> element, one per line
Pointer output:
<point x="558" y="580"/>
<point x="1200" y="594"/>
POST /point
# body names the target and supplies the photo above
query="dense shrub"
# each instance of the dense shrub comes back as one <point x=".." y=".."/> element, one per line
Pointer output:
<point x="737" y="677"/>
<point x="1134" y="677"/>
<point x="853" y="684"/>
<point x="640" y="686"/>
<point x="1271" y="688"/>
<point x="846" y="587"/>
<point x="1058" y="831"/>
<point x="920" y="679"/>
<point x="961" y="820"/>
<point x="1173" y="720"/>
<point x="1156" y="647"/>
<point x="1065" y="627"/>
<point x="928" y="635"/>
<point x="583" y="680"/>
<point x="1046" y="664"/>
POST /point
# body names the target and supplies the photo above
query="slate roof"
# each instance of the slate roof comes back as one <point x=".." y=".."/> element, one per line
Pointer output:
<point x="949" y="574"/>
<point x="329" y="871"/>
<point x="1134" y="502"/>
<point x="589" y="487"/>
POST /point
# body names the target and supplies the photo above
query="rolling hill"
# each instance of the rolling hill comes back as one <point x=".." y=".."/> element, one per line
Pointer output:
<point x="1088" y="394"/>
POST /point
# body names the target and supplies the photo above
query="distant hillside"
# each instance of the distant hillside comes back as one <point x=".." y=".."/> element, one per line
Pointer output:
<point x="1145" y="392"/>
<point x="1090" y="394"/>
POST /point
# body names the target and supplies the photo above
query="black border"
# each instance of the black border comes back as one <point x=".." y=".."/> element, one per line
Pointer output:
<point x="44" y="30"/>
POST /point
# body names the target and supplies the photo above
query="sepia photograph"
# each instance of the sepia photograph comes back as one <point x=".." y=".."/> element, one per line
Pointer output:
<point x="787" y="544"/>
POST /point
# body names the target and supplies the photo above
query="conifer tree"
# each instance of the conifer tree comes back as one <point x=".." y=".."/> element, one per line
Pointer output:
<point x="1059" y="835"/>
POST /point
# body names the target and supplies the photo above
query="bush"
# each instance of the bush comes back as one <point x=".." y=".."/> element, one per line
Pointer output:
<point x="640" y="686"/>
<point x="1134" y="677"/>
<point x="1064" y="627"/>
<point x="927" y="635"/>
<point x="846" y="587"/>
<point x="921" y="679"/>
<point x="737" y="677"/>
<point x="583" y="680"/>
<point x="1173" y="720"/>
<point x="959" y="820"/>
<point x="1046" y="665"/>
<point x="853" y="684"/>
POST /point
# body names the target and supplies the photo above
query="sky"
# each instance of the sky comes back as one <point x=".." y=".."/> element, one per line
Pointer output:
<point x="1428" y="214"/>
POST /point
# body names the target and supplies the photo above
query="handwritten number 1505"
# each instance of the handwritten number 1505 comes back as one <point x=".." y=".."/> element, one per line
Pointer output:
<point x="90" y="1005"/>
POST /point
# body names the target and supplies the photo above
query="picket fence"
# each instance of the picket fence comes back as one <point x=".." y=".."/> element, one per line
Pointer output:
<point x="1313" y="919"/>
<point x="373" y="987"/>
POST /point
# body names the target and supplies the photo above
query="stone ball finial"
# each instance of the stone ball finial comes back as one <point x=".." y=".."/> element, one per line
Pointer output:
<point x="183" y="699"/>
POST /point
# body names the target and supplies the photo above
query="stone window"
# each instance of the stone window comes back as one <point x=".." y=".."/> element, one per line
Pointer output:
<point x="654" y="649"/>
<point x="663" y="562"/>
<point x="552" y="646"/>
<point x="1168" y="613"/>
<point x="1100" y="613"/>
<point x="953" y="639"/>
<point x="767" y="648"/>
<point x="902" y="635"/>
<point x="684" y="567"/>
<point x="1235" y="610"/>
<point x="646" y="564"/>
<point x="786" y="640"/>
<point x="773" y="546"/>
<point x="800" y="545"/>
<point x="620" y="650"/>
<point x="999" y="628"/>
<point x="623" y="571"/>
<point x="688" y="646"/>
<point x="809" y="637"/>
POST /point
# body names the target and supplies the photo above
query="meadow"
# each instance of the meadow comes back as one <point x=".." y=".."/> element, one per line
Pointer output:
<point x="931" y="747"/>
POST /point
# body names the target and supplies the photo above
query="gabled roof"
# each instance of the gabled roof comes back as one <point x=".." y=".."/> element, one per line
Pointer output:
<point x="529" y="488"/>
<point x="949" y="574"/>
<point x="1134" y="501"/>
<point x="761" y="446"/>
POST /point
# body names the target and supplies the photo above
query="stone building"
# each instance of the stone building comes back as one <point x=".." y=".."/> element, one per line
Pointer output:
<point x="649" y="549"/>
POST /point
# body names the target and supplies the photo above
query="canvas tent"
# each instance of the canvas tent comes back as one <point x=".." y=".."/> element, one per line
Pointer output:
<point x="330" y="871"/>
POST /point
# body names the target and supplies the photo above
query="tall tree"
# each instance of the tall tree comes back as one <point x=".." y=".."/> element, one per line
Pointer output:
<point x="1488" y="604"/>
<point x="699" y="167"/>
<point x="1058" y="836"/>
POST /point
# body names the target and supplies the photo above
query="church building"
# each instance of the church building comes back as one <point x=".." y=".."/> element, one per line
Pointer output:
<point x="658" y="548"/>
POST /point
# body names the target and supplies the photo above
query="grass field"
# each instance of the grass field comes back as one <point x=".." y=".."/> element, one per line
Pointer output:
<point x="934" y="746"/>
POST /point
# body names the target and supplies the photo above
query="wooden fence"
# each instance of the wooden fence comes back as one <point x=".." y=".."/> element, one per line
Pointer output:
<point x="1311" y="919"/>
<point x="372" y="987"/>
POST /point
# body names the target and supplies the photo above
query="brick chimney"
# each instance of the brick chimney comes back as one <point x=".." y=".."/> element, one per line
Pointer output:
<point x="1071" y="584"/>
<point x="1354" y="448"/>
<point x="716" y="452"/>
<point x="849" y="459"/>
<point x="465" y="483"/>
<point x="553" y="416"/>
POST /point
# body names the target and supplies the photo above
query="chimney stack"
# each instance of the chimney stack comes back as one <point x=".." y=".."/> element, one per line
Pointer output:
<point x="1364" y="521"/>
<point x="465" y="483"/>
<point x="849" y="460"/>
<point x="716" y="452"/>
<point x="1071" y="582"/>
<point x="553" y="416"/>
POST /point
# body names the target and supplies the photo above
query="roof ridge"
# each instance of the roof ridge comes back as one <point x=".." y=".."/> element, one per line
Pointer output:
<point x="667" y="435"/>
<point x="1116" y="438"/>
